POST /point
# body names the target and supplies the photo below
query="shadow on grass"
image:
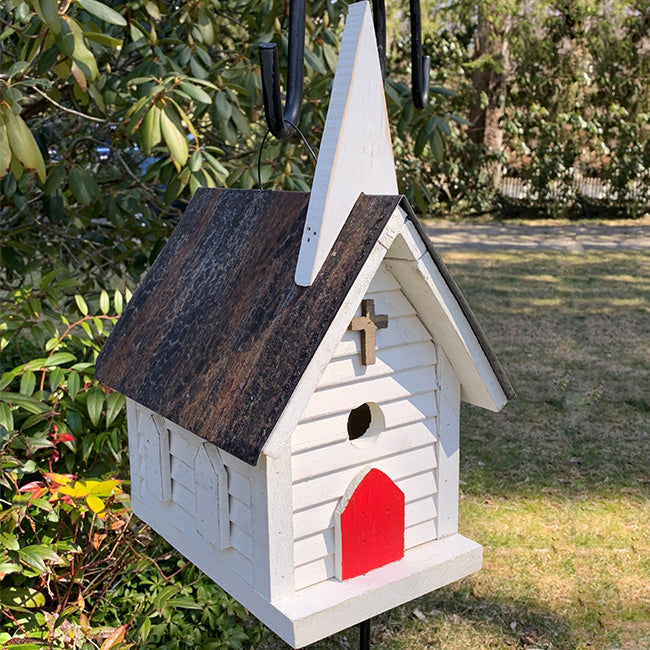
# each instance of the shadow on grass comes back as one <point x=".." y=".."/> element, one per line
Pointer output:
<point x="456" y="618"/>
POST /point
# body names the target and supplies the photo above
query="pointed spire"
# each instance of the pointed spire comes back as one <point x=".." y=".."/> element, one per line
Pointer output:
<point x="356" y="152"/>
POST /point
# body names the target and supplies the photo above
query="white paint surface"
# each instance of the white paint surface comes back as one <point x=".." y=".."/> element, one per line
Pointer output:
<point x="356" y="152"/>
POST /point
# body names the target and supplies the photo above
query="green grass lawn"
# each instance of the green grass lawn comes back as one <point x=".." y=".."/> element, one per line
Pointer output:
<point x="557" y="486"/>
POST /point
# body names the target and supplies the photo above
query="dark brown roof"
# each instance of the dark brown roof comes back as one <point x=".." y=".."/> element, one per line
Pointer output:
<point x="218" y="334"/>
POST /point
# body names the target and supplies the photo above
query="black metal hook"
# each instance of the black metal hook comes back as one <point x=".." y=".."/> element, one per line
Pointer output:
<point x="283" y="124"/>
<point x="379" y="22"/>
<point x="420" y="65"/>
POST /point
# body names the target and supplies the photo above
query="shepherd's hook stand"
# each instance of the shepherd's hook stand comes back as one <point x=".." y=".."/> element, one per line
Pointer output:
<point x="364" y="635"/>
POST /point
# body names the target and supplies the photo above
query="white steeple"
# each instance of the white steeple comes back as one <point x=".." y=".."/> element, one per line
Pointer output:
<point x="356" y="153"/>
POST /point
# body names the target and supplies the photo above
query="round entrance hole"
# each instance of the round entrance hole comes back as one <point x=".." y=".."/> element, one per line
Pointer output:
<point x="365" y="423"/>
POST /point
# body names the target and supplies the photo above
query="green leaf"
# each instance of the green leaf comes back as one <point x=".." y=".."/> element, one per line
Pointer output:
<point x="94" y="404"/>
<point x="6" y="417"/>
<point x="81" y="304"/>
<point x="26" y="402"/>
<point x="22" y="597"/>
<point x="27" y="383"/>
<point x="118" y="301"/>
<point x="7" y="568"/>
<point x="103" y="12"/>
<point x="65" y="37"/>
<point x="36" y="555"/>
<point x="103" y="39"/>
<point x="150" y="129"/>
<point x="174" y="136"/>
<point x="104" y="302"/>
<point x="23" y="144"/>
<point x="196" y="93"/>
<point x="83" y="185"/>
<point x="9" y="541"/>
<point x="53" y="184"/>
<point x="114" y="405"/>
<point x="195" y="162"/>
<point x="49" y="12"/>
<point x="223" y="106"/>
<point x="5" y="149"/>
<point x="74" y="383"/>
<point x="59" y="358"/>
<point x="56" y="378"/>
<point x="437" y="145"/>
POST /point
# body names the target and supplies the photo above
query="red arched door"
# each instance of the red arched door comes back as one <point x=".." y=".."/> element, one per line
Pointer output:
<point x="369" y="525"/>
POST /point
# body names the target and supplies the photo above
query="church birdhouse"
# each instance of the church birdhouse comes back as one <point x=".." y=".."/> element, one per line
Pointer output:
<point x="294" y="365"/>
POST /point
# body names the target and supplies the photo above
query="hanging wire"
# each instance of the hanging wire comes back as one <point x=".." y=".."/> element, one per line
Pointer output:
<point x="266" y="135"/>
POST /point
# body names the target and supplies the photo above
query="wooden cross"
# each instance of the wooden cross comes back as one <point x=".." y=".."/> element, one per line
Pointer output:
<point x="368" y="324"/>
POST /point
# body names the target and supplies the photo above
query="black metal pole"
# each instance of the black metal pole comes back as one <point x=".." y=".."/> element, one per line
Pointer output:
<point x="364" y="635"/>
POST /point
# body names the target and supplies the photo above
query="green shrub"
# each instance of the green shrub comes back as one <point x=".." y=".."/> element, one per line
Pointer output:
<point x="77" y="569"/>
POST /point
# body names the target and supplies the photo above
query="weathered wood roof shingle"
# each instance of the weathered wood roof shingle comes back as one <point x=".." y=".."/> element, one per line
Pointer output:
<point x="218" y="334"/>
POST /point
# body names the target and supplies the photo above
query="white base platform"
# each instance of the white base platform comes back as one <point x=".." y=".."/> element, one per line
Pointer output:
<point x="317" y="612"/>
<point x="326" y="608"/>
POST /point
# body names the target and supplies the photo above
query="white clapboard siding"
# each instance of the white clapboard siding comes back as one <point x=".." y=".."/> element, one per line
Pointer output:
<point x="403" y="383"/>
<point x="420" y="533"/>
<point x="313" y="547"/>
<point x="322" y="568"/>
<point x="394" y="303"/>
<point x="321" y="488"/>
<point x="241" y="541"/>
<point x="240" y="514"/>
<point x="400" y="331"/>
<point x="350" y="369"/>
<point x="337" y="399"/>
<point x="317" y="518"/>
<point x="239" y="486"/>
<point x="184" y="497"/>
<point x="333" y="428"/>
<point x="314" y="572"/>
<point x="182" y="472"/>
<point x="181" y="511"/>
<point x="383" y="281"/>
<point x="315" y="461"/>
<point x="171" y="515"/>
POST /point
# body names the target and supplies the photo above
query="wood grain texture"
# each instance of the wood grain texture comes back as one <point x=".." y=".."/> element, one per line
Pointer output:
<point x="204" y="343"/>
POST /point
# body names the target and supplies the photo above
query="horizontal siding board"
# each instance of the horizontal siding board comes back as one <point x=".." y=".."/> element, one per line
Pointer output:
<point x="399" y="332"/>
<point x="180" y="448"/>
<point x="383" y="280"/>
<point x="182" y="472"/>
<point x="420" y="533"/>
<point x="171" y="515"/>
<point x="333" y="428"/>
<point x="241" y="541"/>
<point x="321" y="544"/>
<point x="240" y="515"/>
<point x="350" y="369"/>
<point x="315" y="519"/>
<point x="322" y="488"/>
<point x="419" y="511"/>
<point x="339" y="455"/>
<point x="399" y="385"/>
<point x="314" y="572"/>
<point x="312" y="548"/>
<point x="239" y="486"/>
<point x="183" y="497"/>
<point x="393" y="303"/>
<point x="419" y="486"/>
